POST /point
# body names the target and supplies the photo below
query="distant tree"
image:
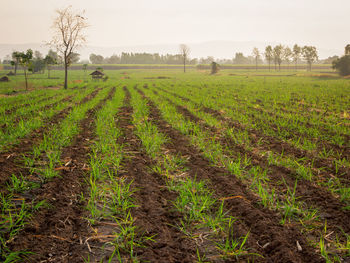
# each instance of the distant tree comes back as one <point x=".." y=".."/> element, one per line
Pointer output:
<point x="114" y="59"/>
<point x="215" y="67"/>
<point x="256" y="55"/>
<point x="310" y="55"/>
<point x="287" y="55"/>
<point x="277" y="56"/>
<point x="207" y="60"/>
<point x="25" y="60"/>
<point x="85" y="66"/>
<point x="269" y="55"/>
<point x="38" y="63"/>
<point x="330" y="60"/>
<point x="347" y="49"/>
<point x="69" y="26"/>
<point x="240" y="59"/>
<point x="50" y="60"/>
<point x="296" y="55"/>
<point x="184" y="52"/>
<point x="15" y="60"/>
<point x="342" y="65"/>
<point x="38" y="55"/>
<point x="96" y="59"/>
<point x="74" y="58"/>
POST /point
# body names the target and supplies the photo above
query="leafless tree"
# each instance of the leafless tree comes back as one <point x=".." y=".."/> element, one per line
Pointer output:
<point x="256" y="55"/>
<point x="68" y="35"/>
<point x="269" y="55"/>
<point x="296" y="55"/>
<point x="184" y="51"/>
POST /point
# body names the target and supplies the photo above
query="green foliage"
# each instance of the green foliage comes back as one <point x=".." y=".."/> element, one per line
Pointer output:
<point x="342" y="65"/>
<point x="310" y="55"/>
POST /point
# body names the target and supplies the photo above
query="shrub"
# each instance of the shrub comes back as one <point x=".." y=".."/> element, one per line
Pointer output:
<point x="214" y="67"/>
<point x="342" y="65"/>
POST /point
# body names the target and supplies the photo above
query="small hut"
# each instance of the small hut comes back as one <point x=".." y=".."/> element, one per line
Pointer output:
<point x="97" y="75"/>
<point x="4" y="79"/>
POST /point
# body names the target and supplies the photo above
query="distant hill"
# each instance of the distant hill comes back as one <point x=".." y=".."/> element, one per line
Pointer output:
<point x="217" y="49"/>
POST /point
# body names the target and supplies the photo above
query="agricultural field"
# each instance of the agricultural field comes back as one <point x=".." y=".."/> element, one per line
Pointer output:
<point x="162" y="166"/>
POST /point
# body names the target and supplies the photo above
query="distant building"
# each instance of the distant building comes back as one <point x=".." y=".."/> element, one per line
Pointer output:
<point x="97" y="75"/>
<point x="4" y="79"/>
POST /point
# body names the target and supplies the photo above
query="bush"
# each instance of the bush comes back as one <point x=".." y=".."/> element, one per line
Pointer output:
<point x="214" y="67"/>
<point x="342" y="65"/>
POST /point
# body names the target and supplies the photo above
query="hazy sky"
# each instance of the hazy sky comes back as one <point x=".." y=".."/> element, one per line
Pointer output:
<point x="322" y="23"/>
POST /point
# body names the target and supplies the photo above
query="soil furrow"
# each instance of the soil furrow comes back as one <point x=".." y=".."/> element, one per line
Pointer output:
<point x="56" y="234"/>
<point x="274" y="144"/>
<point x="15" y="108"/>
<point x="25" y="117"/>
<point x="11" y="162"/>
<point x="154" y="214"/>
<point x="312" y="195"/>
<point x="263" y="224"/>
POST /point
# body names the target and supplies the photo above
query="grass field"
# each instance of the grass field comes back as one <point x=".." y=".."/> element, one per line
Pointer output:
<point x="161" y="166"/>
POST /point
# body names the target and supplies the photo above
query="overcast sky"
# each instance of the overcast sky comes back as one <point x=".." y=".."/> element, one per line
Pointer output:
<point x="322" y="23"/>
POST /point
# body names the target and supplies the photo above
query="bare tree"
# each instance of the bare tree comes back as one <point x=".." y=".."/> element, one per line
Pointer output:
<point x="256" y="55"/>
<point x="68" y="35"/>
<point x="277" y="55"/>
<point x="310" y="55"/>
<point x="269" y="55"/>
<point x="15" y="60"/>
<point x="296" y="55"/>
<point x="287" y="55"/>
<point x="184" y="51"/>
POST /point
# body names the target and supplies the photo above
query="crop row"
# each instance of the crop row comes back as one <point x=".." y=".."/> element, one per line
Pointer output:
<point x="19" y="201"/>
<point x="303" y="167"/>
<point x="277" y="193"/>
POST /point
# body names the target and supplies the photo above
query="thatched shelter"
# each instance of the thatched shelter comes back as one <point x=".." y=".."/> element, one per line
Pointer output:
<point x="4" y="79"/>
<point x="97" y="75"/>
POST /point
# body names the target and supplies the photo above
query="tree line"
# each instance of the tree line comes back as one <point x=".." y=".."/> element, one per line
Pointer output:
<point x="279" y="54"/>
<point x="141" y="58"/>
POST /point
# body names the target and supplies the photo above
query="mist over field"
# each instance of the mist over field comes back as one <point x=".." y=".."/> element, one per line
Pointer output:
<point x="174" y="131"/>
<point x="217" y="49"/>
<point x="218" y="29"/>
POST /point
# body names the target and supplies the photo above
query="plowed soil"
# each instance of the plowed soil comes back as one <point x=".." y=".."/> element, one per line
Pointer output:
<point x="56" y="234"/>
<point x="154" y="215"/>
<point x="262" y="223"/>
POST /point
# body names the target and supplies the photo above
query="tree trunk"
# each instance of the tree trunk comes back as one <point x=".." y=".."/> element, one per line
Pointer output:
<point x="269" y="65"/>
<point x="296" y="65"/>
<point x="65" y="73"/>
<point x="48" y="73"/>
<point x="25" y="77"/>
<point x="15" y="68"/>
<point x="185" y="65"/>
<point x="256" y="64"/>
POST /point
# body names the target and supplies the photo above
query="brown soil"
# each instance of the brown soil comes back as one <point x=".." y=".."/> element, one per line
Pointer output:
<point x="56" y="234"/>
<point x="11" y="162"/>
<point x="37" y="111"/>
<point x="154" y="215"/>
<point x="313" y="195"/>
<point x="272" y="143"/>
<point x="23" y="103"/>
<point x="241" y="203"/>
